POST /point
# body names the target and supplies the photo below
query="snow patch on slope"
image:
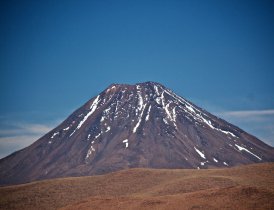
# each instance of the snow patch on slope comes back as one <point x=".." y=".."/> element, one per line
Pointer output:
<point x="242" y="148"/>
<point x="65" y="129"/>
<point x="126" y="142"/>
<point x="140" y="109"/>
<point x="92" y="109"/>
<point x="148" y="111"/>
<point x="225" y="163"/>
<point x="90" y="152"/>
<point x="108" y="129"/>
<point x="139" y="120"/>
<point x="53" y="135"/>
<point x="156" y="90"/>
<point x="200" y="153"/>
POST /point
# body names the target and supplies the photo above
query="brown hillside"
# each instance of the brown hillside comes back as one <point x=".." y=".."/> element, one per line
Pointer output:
<point x="245" y="187"/>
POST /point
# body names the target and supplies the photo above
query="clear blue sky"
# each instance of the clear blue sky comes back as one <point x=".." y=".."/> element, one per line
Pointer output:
<point x="55" y="55"/>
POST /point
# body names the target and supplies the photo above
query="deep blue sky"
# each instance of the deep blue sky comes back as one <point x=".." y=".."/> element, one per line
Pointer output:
<point x="55" y="55"/>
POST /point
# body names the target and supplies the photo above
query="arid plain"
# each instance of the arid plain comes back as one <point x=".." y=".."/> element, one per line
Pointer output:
<point x="245" y="187"/>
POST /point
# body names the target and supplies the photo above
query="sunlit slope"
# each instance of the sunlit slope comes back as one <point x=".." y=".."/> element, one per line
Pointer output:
<point x="245" y="187"/>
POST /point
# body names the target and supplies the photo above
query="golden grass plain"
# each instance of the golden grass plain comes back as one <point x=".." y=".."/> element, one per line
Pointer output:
<point x="244" y="187"/>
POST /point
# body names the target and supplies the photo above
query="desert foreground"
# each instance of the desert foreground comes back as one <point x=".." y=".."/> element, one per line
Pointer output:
<point x="245" y="187"/>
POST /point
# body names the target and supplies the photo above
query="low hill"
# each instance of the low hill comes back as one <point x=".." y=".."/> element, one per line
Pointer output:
<point x="244" y="187"/>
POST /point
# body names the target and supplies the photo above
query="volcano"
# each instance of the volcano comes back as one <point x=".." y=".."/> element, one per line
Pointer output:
<point x="134" y="126"/>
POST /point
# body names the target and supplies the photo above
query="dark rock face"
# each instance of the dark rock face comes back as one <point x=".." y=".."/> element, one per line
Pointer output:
<point x="128" y="126"/>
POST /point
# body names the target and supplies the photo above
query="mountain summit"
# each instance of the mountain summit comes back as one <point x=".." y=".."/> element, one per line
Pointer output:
<point x="129" y="126"/>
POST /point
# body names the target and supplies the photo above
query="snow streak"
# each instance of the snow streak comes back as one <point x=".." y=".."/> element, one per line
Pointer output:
<point x="200" y="153"/>
<point x="92" y="109"/>
<point x="242" y="148"/>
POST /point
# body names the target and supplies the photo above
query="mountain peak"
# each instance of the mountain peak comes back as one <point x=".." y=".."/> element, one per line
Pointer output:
<point x="119" y="86"/>
<point x="127" y="126"/>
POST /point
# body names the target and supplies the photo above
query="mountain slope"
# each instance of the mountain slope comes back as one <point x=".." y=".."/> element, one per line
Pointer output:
<point x="128" y="126"/>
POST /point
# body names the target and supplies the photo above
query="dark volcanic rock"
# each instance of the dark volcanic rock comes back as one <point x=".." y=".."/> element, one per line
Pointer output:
<point x="128" y="126"/>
